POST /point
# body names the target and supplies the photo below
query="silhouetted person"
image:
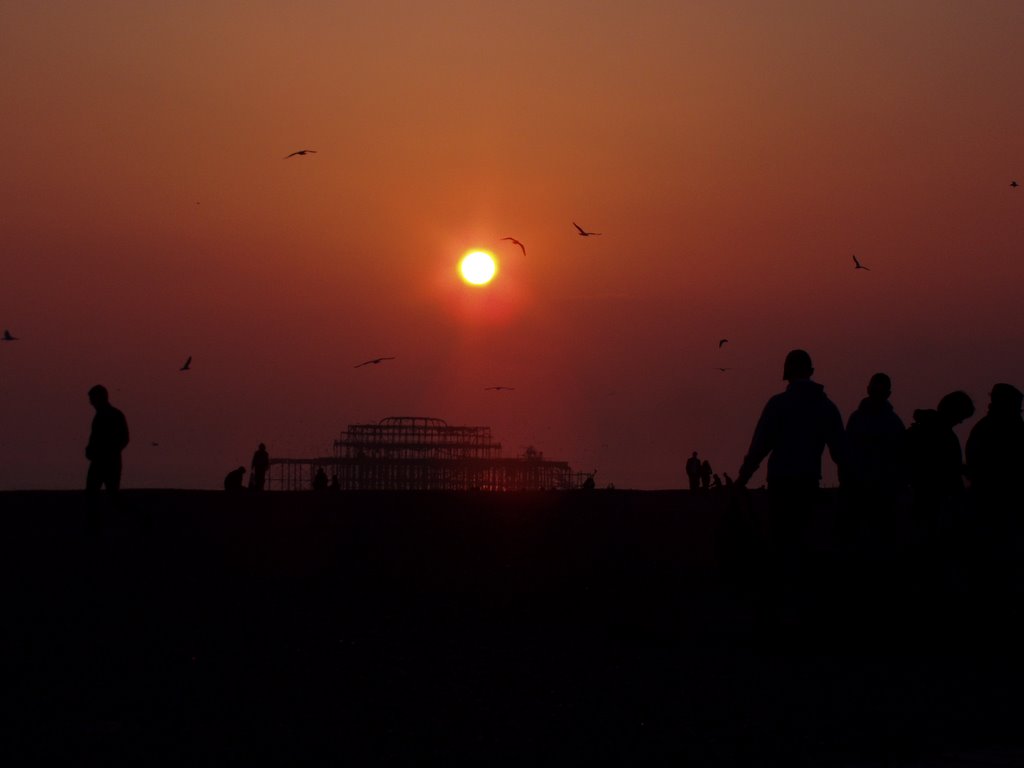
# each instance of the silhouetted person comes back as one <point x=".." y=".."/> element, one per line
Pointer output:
<point x="693" y="471"/>
<point x="876" y="460"/>
<point x="335" y="483"/>
<point x="588" y="484"/>
<point x="320" y="480"/>
<point x="995" y="465"/>
<point x="705" y="474"/>
<point x="794" y="428"/>
<point x="233" y="479"/>
<point x="935" y="460"/>
<point x="260" y="465"/>
<point x="716" y="481"/>
<point x="108" y="438"/>
<point x="872" y="478"/>
<point x="995" y="447"/>
<point x="937" y="478"/>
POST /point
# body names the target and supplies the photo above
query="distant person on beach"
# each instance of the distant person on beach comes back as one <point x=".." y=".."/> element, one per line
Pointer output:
<point x="335" y="483"/>
<point x="705" y="475"/>
<point x="693" y="471"/>
<point x="320" y="480"/>
<point x="716" y="481"/>
<point x="233" y="479"/>
<point x="260" y="465"/>
<point x="108" y="438"/>
<point x="876" y="465"/>
<point x="794" y="428"/>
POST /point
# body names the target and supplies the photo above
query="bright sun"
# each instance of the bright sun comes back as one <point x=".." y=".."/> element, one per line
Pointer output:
<point x="477" y="268"/>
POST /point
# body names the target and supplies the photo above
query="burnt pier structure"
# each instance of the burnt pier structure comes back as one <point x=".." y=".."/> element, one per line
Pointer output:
<point x="416" y="453"/>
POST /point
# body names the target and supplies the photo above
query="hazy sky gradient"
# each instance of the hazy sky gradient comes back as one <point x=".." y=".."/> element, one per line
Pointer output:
<point x="733" y="155"/>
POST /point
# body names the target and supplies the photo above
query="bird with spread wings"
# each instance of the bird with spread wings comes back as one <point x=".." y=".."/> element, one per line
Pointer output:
<point x="374" y="361"/>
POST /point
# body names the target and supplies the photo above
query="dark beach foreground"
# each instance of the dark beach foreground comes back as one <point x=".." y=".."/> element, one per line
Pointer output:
<point x="196" y="628"/>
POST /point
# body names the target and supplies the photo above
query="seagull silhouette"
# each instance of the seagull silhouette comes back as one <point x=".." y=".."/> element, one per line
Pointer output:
<point x="8" y="337"/>
<point x="1014" y="183"/>
<point x="375" y="361"/>
<point x="859" y="265"/>
<point x="188" y="364"/>
<point x="723" y="370"/>
<point x="501" y="389"/>
<point x="301" y="152"/>
<point x="517" y="243"/>
<point x="583" y="232"/>
<point x="721" y="342"/>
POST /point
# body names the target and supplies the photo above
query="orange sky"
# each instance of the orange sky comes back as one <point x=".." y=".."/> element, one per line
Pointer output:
<point x="734" y="157"/>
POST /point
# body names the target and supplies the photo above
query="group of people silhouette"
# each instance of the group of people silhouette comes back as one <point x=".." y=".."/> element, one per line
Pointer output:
<point x="877" y="455"/>
<point x="961" y="502"/>
<point x="699" y="473"/>
<point x="235" y="479"/>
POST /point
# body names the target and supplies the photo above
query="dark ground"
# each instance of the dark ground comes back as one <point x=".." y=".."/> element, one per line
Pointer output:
<point x="552" y="628"/>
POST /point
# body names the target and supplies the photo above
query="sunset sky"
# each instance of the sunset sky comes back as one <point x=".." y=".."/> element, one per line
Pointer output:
<point x="734" y="156"/>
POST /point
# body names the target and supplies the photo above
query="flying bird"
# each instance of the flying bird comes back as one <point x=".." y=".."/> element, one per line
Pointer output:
<point x="583" y="232"/>
<point x="301" y="152"/>
<point x="723" y="370"/>
<point x="375" y="361"/>
<point x="188" y="364"/>
<point x="859" y="265"/>
<point x="1014" y="183"/>
<point x="501" y="389"/>
<point x="721" y="342"/>
<point x="8" y="337"/>
<point x="517" y="243"/>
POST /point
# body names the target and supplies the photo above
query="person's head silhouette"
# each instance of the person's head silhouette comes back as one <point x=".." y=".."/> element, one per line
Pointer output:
<point x="98" y="396"/>
<point x="1005" y="399"/>
<point x="956" y="407"/>
<point x="880" y="387"/>
<point x="797" y="366"/>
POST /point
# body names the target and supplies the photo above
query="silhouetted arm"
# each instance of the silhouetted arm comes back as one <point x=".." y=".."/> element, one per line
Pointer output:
<point x="122" y="438"/>
<point x="761" y="444"/>
<point x="835" y="436"/>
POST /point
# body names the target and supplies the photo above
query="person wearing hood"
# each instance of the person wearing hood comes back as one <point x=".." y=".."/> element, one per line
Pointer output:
<point x="792" y="432"/>
<point x="995" y="447"/>
<point x="876" y="466"/>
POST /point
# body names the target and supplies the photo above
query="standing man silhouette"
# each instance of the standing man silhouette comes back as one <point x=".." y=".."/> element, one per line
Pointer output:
<point x="260" y="464"/>
<point x="108" y="438"/>
<point x="705" y="475"/>
<point x="794" y="428"/>
<point x="693" y="471"/>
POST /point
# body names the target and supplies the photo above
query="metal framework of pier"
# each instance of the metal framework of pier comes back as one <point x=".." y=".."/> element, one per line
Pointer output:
<point x="415" y="453"/>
